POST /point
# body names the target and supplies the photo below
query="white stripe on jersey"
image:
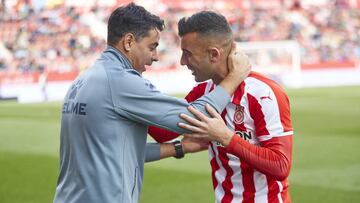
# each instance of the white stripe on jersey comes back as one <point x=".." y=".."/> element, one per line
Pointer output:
<point x="268" y="137"/>
<point x="219" y="174"/>
<point x="280" y="190"/>
<point x="272" y="117"/>
<point x="261" y="187"/>
<point x="230" y="109"/>
<point x="236" y="179"/>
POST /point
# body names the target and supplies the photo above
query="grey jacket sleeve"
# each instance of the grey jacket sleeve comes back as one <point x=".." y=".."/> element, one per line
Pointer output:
<point x="137" y="99"/>
<point x="152" y="152"/>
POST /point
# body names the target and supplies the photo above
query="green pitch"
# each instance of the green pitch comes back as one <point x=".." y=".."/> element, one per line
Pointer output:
<point x="326" y="163"/>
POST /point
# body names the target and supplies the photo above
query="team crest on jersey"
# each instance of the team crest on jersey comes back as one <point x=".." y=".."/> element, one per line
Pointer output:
<point x="239" y="115"/>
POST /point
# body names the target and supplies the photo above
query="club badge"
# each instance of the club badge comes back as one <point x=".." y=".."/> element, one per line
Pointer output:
<point x="239" y="115"/>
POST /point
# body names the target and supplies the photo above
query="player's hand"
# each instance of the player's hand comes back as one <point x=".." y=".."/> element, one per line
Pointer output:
<point x="238" y="64"/>
<point x="212" y="128"/>
<point x="192" y="144"/>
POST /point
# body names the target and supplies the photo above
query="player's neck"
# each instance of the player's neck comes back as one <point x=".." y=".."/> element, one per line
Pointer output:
<point x="221" y="74"/>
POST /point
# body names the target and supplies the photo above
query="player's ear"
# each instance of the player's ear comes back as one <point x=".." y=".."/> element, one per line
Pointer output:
<point x="128" y="41"/>
<point x="213" y="54"/>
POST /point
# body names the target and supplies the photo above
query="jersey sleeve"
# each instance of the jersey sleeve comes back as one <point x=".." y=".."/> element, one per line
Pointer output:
<point x="269" y="107"/>
<point x="272" y="158"/>
<point x="163" y="135"/>
<point x="135" y="98"/>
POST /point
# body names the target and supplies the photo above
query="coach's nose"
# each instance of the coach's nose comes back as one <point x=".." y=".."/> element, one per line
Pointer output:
<point x="183" y="60"/>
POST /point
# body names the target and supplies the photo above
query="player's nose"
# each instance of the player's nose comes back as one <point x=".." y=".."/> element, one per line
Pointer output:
<point x="155" y="57"/>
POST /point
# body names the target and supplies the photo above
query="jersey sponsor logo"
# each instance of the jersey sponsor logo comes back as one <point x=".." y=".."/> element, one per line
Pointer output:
<point x="239" y="115"/>
<point x="243" y="134"/>
<point x="266" y="97"/>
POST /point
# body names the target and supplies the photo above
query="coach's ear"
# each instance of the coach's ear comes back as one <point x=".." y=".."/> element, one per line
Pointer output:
<point x="128" y="41"/>
<point x="213" y="54"/>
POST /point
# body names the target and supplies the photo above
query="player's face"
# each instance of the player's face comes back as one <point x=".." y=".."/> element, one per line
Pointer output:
<point x="195" y="57"/>
<point x="145" y="50"/>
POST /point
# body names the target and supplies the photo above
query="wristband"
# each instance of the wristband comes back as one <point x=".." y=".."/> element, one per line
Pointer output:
<point x="178" y="149"/>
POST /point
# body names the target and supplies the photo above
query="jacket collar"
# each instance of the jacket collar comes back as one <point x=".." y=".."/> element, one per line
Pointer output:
<point x="118" y="56"/>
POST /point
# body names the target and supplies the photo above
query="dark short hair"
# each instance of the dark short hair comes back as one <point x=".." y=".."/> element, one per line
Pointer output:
<point x="131" y="19"/>
<point x="206" y="23"/>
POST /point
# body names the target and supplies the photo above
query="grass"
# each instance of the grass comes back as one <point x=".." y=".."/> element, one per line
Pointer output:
<point x="326" y="162"/>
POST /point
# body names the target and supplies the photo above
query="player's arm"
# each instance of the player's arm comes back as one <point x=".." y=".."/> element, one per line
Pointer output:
<point x="137" y="99"/>
<point x="157" y="151"/>
<point x="163" y="135"/>
<point x="272" y="158"/>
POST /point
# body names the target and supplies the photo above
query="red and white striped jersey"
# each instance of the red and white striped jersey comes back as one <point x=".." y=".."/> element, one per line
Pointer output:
<point x="258" y="112"/>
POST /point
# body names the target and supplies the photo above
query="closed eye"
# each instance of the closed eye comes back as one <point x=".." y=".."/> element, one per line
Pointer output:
<point x="153" y="46"/>
<point x="186" y="53"/>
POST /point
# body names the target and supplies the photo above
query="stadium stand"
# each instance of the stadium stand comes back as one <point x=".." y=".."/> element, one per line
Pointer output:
<point x="63" y="36"/>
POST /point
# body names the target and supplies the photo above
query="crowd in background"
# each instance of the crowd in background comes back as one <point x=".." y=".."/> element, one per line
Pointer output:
<point x="65" y="38"/>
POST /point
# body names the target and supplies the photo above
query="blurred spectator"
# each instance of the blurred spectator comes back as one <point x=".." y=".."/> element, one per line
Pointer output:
<point x="43" y="82"/>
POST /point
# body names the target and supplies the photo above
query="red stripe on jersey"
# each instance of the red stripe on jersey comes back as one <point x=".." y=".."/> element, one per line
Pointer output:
<point x="226" y="184"/>
<point x="257" y="115"/>
<point x="238" y="94"/>
<point x="248" y="182"/>
<point x="273" y="190"/>
<point x="285" y="196"/>
<point x="282" y="99"/>
<point x="214" y="166"/>
<point x="196" y="92"/>
<point x="212" y="87"/>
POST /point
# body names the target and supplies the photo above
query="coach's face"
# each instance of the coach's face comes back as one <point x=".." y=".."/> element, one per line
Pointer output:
<point x="195" y="57"/>
<point x="144" y="50"/>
